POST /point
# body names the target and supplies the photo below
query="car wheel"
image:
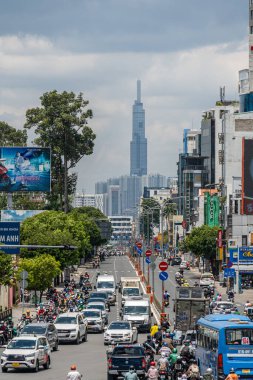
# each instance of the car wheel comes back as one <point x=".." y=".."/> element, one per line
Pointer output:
<point x="55" y="348"/>
<point x="78" y="339"/>
<point x="47" y="364"/>
<point x="37" y="366"/>
<point x="4" y="369"/>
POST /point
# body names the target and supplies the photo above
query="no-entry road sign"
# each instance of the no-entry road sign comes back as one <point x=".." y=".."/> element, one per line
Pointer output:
<point x="138" y="244"/>
<point x="163" y="266"/>
<point x="148" y="252"/>
<point x="163" y="276"/>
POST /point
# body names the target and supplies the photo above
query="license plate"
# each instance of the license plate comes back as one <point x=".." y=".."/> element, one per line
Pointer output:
<point x="178" y="366"/>
<point x="162" y="377"/>
<point x="15" y="365"/>
<point x="246" y="371"/>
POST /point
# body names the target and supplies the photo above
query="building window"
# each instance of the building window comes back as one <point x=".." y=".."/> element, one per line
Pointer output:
<point x="251" y="30"/>
<point x="244" y="240"/>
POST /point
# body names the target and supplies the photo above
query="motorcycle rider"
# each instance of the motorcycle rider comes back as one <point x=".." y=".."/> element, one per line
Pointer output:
<point x="149" y="345"/>
<point x="152" y="373"/>
<point x="131" y="374"/>
<point x="73" y="374"/>
<point x="173" y="357"/>
<point x="186" y="350"/>
<point x="154" y="329"/>
<point x="163" y="363"/>
<point x="232" y="375"/>
<point x="166" y="296"/>
<point x="193" y="370"/>
<point x="165" y="349"/>
<point x="208" y="375"/>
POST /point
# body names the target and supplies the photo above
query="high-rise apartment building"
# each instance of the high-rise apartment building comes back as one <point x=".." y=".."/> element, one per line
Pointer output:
<point x="138" y="145"/>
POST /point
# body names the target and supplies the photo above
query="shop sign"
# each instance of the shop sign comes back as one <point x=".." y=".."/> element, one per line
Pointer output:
<point x="245" y="254"/>
<point x="212" y="209"/>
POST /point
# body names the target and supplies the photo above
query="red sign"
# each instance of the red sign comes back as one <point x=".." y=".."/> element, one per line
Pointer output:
<point x="139" y="245"/>
<point x="184" y="224"/>
<point x="219" y="239"/>
<point x="148" y="252"/>
<point x="163" y="266"/>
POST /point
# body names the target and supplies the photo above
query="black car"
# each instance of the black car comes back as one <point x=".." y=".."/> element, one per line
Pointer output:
<point x="98" y="295"/>
<point x="176" y="261"/>
<point x="46" y="329"/>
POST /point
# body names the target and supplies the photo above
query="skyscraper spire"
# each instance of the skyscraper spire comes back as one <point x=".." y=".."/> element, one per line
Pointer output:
<point x="138" y="145"/>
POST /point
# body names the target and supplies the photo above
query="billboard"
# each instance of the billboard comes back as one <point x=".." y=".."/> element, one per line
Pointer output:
<point x="245" y="255"/>
<point x="247" y="176"/>
<point x="10" y="235"/>
<point x="18" y="215"/>
<point x="25" y="169"/>
<point x="212" y="209"/>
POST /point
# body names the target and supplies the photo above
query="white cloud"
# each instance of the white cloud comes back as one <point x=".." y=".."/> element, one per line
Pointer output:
<point x="177" y="86"/>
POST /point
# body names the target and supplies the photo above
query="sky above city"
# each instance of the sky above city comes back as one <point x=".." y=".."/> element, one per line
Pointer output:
<point x="182" y="51"/>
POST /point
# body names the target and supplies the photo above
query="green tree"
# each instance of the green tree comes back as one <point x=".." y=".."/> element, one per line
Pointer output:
<point x="150" y="211"/>
<point x="10" y="136"/>
<point x="61" y="123"/>
<point x="56" y="228"/>
<point x="41" y="270"/>
<point x="7" y="271"/>
<point x="202" y="242"/>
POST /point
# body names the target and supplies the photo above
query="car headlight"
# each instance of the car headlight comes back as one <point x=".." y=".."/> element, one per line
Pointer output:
<point x="4" y="355"/>
<point x="107" y="335"/>
<point x="73" y="330"/>
<point x="30" y="356"/>
<point x="128" y="334"/>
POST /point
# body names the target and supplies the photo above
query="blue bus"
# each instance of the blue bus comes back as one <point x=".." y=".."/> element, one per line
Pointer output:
<point x="225" y="341"/>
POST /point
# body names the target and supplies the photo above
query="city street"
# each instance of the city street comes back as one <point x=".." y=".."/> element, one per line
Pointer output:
<point x="89" y="357"/>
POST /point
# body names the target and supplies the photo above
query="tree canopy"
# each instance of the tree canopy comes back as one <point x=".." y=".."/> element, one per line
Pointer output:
<point x="7" y="270"/>
<point x="202" y="241"/>
<point x="61" y="123"/>
<point x="10" y="136"/>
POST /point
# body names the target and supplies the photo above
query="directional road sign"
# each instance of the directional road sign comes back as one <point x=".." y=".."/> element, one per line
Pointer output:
<point x="163" y="266"/>
<point x="148" y="261"/>
<point x="148" y="252"/>
<point x="24" y="274"/>
<point x="139" y="245"/>
<point x="139" y="251"/>
<point x="229" y="272"/>
<point x="163" y="276"/>
<point x="153" y="266"/>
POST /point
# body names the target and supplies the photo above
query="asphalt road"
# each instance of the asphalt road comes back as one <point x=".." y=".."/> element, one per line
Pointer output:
<point x="90" y="357"/>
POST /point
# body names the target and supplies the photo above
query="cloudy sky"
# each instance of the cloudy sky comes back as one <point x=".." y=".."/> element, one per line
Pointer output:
<point x="182" y="50"/>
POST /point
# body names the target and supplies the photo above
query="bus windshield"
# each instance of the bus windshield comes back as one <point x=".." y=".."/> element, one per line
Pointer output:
<point x="239" y="337"/>
<point x="105" y="285"/>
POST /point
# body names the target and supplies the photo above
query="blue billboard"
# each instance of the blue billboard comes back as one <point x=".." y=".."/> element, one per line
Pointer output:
<point x="245" y="255"/>
<point x="25" y="169"/>
<point x="10" y="235"/>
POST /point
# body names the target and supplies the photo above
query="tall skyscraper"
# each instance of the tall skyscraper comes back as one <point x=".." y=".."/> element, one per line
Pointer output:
<point x="138" y="145"/>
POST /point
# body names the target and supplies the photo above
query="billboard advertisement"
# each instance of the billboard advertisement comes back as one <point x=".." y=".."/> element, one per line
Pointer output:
<point x="245" y="255"/>
<point x="25" y="169"/>
<point x="212" y="209"/>
<point x="18" y="215"/>
<point x="10" y="235"/>
<point x="247" y="176"/>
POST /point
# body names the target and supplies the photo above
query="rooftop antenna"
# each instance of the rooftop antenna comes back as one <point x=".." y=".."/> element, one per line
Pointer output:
<point x="222" y="94"/>
<point x="138" y="91"/>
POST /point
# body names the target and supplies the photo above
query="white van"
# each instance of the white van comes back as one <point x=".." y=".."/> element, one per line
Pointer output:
<point x="106" y="283"/>
<point x="138" y="311"/>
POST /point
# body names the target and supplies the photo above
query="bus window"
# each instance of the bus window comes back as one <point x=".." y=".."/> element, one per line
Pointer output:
<point x="239" y="336"/>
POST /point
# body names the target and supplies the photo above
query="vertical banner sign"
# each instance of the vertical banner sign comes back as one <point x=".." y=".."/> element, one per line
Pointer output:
<point x="219" y="239"/>
<point x="247" y="176"/>
<point x="10" y="235"/>
<point x="211" y="209"/>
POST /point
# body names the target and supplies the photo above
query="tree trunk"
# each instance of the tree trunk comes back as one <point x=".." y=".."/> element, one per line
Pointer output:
<point x="41" y="294"/>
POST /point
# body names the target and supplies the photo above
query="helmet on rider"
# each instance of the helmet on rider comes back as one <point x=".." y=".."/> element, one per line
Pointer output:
<point x="232" y="370"/>
<point x="209" y="371"/>
<point x="163" y="355"/>
<point x="174" y="351"/>
<point x="152" y="364"/>
<point x="168" y="331"/>
<point x="165" y="344"/>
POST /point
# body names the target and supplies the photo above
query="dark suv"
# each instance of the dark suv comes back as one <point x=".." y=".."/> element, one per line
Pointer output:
<point x="176" y="261"/>
<point x="46" y="329"/>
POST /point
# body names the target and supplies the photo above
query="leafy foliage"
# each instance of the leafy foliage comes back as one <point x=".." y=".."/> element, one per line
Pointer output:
<point x="6" y="269"/>
<point x="10" y="136"/>
<point x="61" y="123"/>
<point x="202" y="241"/>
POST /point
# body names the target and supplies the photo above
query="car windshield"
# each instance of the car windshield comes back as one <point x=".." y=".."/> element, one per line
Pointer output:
<point x="96" y="306"/>
<point x="128" y="351"/>
<point x="105" y="285"/>
<point x="98" y="295"/>
<point x="66" y="320"/>
<point x="225" y="305"/>
<point x="102" y="300"/>
<point x="239" y="336"/>
<point x="131" y="292"/>
<point x="207" y="276"/>
<point x="135" y="310"/>
<point x="91" y="314"/>
<point x="40" y="330"/>
<point x="119" y="326"/>
<point x="22" y="344"/>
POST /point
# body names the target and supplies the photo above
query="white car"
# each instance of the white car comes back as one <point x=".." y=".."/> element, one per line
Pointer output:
<point x="206" y="279"/>
<point x="99" y="306"/>
<point x="95" y="320"/>
<point x="29" y="352"/>
<point x="120" y="332"/>
<point x="184" y="265"/>
<point x="72" y="327"/>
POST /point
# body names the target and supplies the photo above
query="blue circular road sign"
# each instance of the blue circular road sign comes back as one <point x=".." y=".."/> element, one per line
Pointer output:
<point x="163" y="276"/>
<point x="148" y="261"/>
